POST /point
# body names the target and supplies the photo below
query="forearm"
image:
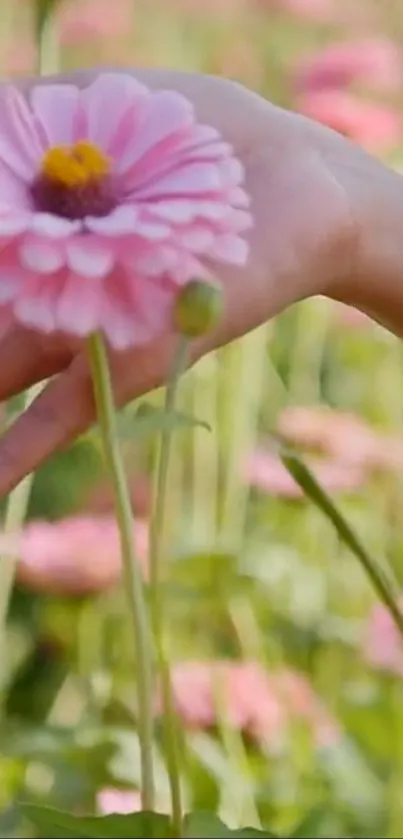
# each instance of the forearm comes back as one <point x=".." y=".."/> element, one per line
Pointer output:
<point x="375" y="284"/>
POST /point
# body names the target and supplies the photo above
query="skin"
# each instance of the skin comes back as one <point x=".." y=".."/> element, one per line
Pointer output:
<point x="326" y="221"/>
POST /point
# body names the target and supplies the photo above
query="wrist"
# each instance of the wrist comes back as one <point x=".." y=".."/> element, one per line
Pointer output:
<point x="375" y="281"/>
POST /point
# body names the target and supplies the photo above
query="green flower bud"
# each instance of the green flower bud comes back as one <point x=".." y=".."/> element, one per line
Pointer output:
<point x="198" y="308"/>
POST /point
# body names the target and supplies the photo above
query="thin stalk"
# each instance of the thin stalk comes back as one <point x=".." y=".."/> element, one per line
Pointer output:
<point x="133" y="579"/>
<point x="16" y="512"/>
<point x="157" y="553"/>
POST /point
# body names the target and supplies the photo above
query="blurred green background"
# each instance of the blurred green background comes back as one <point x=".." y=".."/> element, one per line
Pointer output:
<point x="308" y="740"/>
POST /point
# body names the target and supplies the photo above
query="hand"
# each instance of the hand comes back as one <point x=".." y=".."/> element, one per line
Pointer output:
<point x="310" y="192"/>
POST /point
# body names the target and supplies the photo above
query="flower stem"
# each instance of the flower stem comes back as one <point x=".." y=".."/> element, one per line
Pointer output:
<point x="16" y="512"/>
<point x="157" y="553"/>
<point x="133" y="579"/>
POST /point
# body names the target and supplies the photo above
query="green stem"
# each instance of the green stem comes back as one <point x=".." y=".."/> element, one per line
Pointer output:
<point x="133" y="578"/>
<point x="16" y="512"/>
<point x="157" y="553"/>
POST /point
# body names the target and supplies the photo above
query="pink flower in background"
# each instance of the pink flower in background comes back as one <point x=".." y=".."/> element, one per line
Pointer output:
<point x="74" y="556"/>
<point x="250" y="699"/>
<point x="375" y="127"/>
<point x="265" y="471"/>
<point x="317" y="10"/>
<point x="343" y="436"/>
<point x="80" y="21"/>
<point x="111" y="800"/>
<point x="19" y="57"/>
<point x="382" y="644"/>
<point x="373" y="62"/>
<point x="111" y="199"/>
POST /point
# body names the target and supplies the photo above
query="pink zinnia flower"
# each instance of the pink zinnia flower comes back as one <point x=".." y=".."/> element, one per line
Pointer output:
<point x="346" y="437"/>
<point x="375" y="127"/>
<point x="111" y="198"/>
<point x="80" y="22"/>
<point x="75" y="556"/>
<point x="375" y="62"/>
<point x="317" y="10"/>
<point x="259" y="703"/>
<point x="111" y="800"/>
<point x="266" y="471"/>
<point x="382" y="644"/>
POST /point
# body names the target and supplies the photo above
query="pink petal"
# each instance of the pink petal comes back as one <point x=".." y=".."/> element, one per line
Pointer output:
<point x="230" y="249"/>
<point x="13" y="223"/>
<point x="54" y="227"/>
<point x="77" y="311"/>
<point x="187" y="180"/>
<point x="20" y="145"/>
<point x="120" y="222"/>
<point x="237" y="197"/>
<point x="41" y="256"/>
<point x="12" y="280"/>
<point x="56" y="107"/>
<point x="35" y="307"/>
<point x="105" y="103"/>
<point x="13" y="191"/>
<point x="89" y="259"/>
<point x="196" y="239"/>
<point x="167" y="113"/>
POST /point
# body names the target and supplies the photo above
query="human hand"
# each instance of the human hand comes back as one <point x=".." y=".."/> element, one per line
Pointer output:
<point x="312" y="195"/>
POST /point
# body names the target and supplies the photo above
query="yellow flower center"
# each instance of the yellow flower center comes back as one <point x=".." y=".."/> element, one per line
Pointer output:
<point x="74" y="167"/>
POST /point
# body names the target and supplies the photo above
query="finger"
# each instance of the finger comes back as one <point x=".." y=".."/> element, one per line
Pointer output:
<point x="28" y="359"/>
<point x="66" y="408"/>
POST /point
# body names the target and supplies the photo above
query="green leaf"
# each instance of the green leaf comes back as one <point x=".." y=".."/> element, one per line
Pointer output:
<point x="149" y="420"/>
<point x="205" y="825"/>
<point x="380" y="577"/>
<point x="50" y="823"/>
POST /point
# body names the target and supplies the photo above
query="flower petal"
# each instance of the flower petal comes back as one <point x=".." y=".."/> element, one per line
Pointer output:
<point x="20" y="143"/>
<point x="55" y="227"/>
<point x="120" y="222"/>
<point x="231" y="249"/>
<point x="41" y="256"/>
<point x="167" y="113"/>
<point x="197" y="178"/>
<point x="56" y="107"/>
<point x="105" y="103"/>
<point x="35" y="307"/>
<point x="88" y="258"/>
<point x="77" y="311"/>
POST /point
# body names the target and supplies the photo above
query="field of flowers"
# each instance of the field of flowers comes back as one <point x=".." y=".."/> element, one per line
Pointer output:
<point x="287" y="669"/>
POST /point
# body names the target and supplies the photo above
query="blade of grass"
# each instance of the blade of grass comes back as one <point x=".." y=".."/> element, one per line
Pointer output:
<point x="382" y="579"/>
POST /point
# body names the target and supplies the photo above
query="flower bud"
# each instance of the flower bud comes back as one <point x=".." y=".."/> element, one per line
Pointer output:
<point x="198" y="308"/>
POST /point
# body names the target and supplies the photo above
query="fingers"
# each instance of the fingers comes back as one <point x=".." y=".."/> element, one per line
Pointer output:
<point x="66" y="408"/>
<point x="26" y="359"/>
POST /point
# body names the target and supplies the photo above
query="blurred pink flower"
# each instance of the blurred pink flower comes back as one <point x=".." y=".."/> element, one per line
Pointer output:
<point x="343" y="436"/>
<point x="19" y="57"/>
<point x="317" y="10"/>
<point x="111" y="800"/>
<point x="210" y="7"/>
<point x="253" y="701"/>
<point x="75" y="556"/>
<point x="112" y="198"/>
<point x="374" y="62"/>
<point x="382" y="644"/>
<point x="265" y="471"/>
<point x="82" y="20"/>
<point x="373" y="126"/>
